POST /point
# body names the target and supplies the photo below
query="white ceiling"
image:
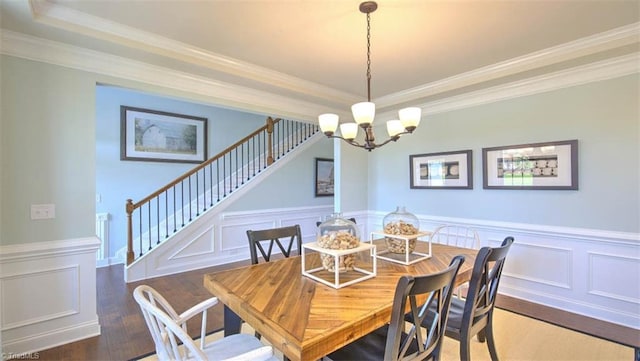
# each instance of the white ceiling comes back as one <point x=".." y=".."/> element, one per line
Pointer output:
<point x="315" y="50"/>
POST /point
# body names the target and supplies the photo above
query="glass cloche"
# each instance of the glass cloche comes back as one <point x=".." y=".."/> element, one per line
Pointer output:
<point x="403" y="223"/>
<point x="338" y="233"/>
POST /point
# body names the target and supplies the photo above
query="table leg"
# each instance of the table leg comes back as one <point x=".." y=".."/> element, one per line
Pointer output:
<point x="232" y="322"/>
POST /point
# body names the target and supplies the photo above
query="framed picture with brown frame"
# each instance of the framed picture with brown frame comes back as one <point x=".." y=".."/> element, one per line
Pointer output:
<point x="156" y="136"/>
<point x="445" y="170"/>
<point x="550" y="165"/>
<point x="324" y="177"/>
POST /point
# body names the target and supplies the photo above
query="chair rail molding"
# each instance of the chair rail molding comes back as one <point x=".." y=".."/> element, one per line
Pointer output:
<point x="48" y="294"/>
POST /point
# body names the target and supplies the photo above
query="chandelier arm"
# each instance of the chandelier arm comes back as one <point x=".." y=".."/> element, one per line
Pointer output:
<point x="352" y="142"/>
<point x="370" y="145"/>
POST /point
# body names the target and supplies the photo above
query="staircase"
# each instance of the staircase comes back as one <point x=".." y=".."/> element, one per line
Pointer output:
<point x="163" y="214"/>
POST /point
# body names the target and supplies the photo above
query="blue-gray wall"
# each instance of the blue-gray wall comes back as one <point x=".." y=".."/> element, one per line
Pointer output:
<point x="59" y="144"/>
<point x="292" y="186"/>
<point x="118" y="180"/>
<point x="48" y="151"/>
<point x="603" y="116"/>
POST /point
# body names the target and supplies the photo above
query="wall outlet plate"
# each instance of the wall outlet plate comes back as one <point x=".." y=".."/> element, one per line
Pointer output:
<point x="43" y="211"/>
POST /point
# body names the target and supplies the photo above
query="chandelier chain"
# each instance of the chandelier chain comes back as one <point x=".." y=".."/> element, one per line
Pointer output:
<point x="369" y="57"/>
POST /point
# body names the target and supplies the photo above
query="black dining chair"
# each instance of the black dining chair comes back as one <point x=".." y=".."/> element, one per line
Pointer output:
<point x="284" y="238"/>
<point x="474" y="315"/>
<point x="420" y="341"/>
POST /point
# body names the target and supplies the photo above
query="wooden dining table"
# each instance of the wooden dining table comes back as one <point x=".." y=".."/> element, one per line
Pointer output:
<point x="306" y="319"/>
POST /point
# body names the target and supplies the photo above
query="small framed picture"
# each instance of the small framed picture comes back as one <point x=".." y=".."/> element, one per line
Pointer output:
<point x="324" y="177"/>
<point x="551" y="165"/>
<point x="446" y="170"/>
<point x="155" y="136"/>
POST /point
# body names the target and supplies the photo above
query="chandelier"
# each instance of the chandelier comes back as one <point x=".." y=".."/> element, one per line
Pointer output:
<point x="364" y="112"/>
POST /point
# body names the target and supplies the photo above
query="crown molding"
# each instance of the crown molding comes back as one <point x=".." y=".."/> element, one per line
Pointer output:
<point x="589" y="45"/>
<point x="220" y="93"/>
<point x="247" y="99"/>
<point x="78" y="22"/>
<point x="602" y="70"/>
<point x="597" y="71"/>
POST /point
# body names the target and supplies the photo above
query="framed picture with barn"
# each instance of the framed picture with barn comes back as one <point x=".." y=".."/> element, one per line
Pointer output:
<point x="156" y="136"/>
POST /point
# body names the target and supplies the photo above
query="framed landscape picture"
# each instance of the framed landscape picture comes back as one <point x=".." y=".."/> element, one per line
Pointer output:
<point x="324" y="177"/>
<point x="155" y="136"/>
<point x="551" y="165"/>
<point x="446" y="170"/>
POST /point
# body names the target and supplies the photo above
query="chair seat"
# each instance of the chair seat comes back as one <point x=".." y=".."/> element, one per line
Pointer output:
<point x="370" y="347"/>
<point x="231" y="346"/>
<point x="169" y="333"/>
<point x="454" y="321"/>
<point x="456" y="311"/>
<point x="398" y="340"/>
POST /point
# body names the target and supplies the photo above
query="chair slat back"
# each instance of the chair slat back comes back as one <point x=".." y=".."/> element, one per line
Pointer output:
<point x="485" y="278"/>
<point x="421" y="292"/>
<point x="166" y="333"/>
<point x="284" y="238"/>
<point x="458" y="236"/>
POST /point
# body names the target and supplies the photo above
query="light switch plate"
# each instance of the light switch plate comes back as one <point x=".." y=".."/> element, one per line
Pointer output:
<point x="43" y="211"/>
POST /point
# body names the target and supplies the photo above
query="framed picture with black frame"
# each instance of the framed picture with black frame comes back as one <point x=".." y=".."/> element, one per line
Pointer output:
<point x="156" y="136"/>
<point x="549" y="165"/>
<point x="324" y="177"/>
<point x="444" y="170"/>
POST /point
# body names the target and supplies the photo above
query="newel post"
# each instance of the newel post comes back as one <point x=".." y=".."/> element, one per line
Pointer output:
<point x="270" y="140"/>
<point x="130" y="254"/>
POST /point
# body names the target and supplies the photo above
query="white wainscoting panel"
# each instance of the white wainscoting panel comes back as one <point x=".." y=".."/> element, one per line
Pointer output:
<point x="547" y="265"/>
<point x="591" y="272"/>
<point x="48" y="294"/>
<point x="585" y="271"/>
<point x="627" y="273"/>
<point x="64" y="282"/>
<point x="233" y="237"/>
<point x="219" y="237"/>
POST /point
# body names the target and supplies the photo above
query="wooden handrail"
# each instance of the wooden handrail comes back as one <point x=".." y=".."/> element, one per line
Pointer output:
<point x="268" y="127"/>
<point x="264" y="159"/>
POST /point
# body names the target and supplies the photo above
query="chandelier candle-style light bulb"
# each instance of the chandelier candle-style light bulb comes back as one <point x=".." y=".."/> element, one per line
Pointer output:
<point x="365" y="112"/>
<point x="349" y="131"/>
<point x="410" y="117"/>
<point x="394" y="128"/>
<point x="328" y="123"/>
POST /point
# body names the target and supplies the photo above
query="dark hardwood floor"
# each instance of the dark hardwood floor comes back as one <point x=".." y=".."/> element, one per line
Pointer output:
<point x="125" y="335"/>
<point x="124" y="332"/>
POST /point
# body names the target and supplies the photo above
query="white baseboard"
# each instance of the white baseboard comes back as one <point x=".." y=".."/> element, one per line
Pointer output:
<point x="31" y="344"/>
